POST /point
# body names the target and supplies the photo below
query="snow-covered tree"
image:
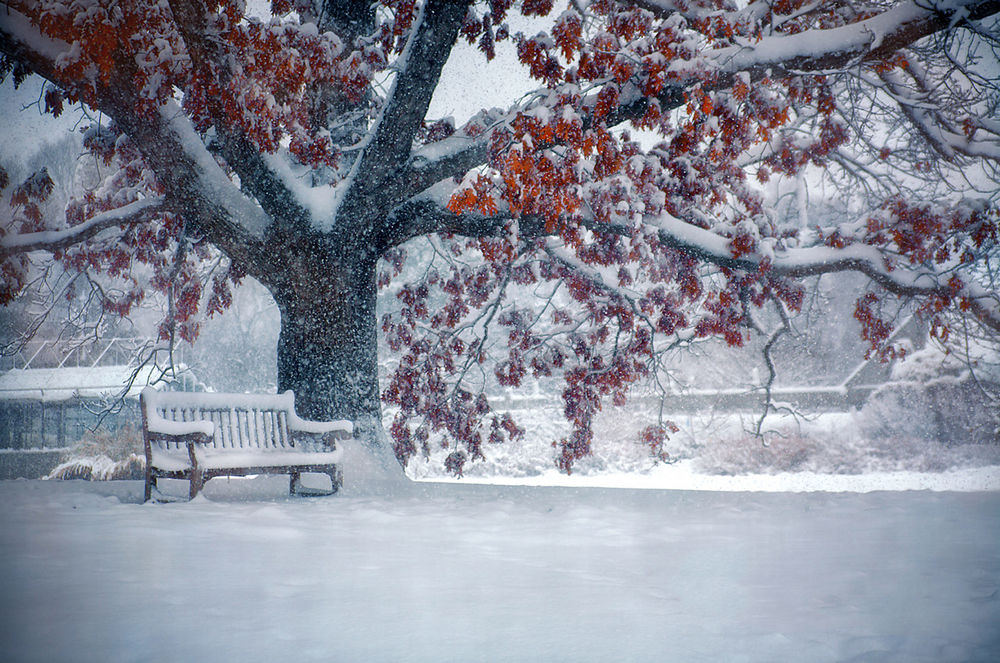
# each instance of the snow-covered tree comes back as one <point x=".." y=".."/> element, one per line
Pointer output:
<point x="619" y="209"/>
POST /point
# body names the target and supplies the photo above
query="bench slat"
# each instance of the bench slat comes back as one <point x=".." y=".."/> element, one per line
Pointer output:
<point x="225" y="433"/>
<point x="283" y="430"/>
<point x="259" y="440"/>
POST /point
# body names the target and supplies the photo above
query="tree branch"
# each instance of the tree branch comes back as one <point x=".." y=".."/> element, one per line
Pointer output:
<point x="55" y="240"/>
<point x="708" y="247"/>
<point x="870" y="40"/>
<point x="425" y="217"/>
<point x="772" y="372"/>
<point x="945" y="139"/>
<point x="191" y="17"/>
<point x="452" y="157"/>
<point x="24" y="43"/>
<point x="377" y="183"/>
<point x="194" y="184"/>
<point x="348" y="18"/>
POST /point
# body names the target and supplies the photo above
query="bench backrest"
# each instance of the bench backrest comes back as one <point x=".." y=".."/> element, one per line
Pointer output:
<point x="242" y="421"/>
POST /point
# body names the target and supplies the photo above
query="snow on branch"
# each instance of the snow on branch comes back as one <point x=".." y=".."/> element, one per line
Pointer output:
<point x="54" y="240"/>
<point x="242" y="156"/>
<point x="451" y="157"/>
<point x="946" y="139"/>
<point x="193" y="180"/>
<point x="817" y="260"/>
<point x="557" y="250"/>
<point x="425" y="216"/>
<point x="21" y="39"/>
<point x="871" y="39"/>
<point x="812" y="50"/>
<point x="207" y="183"/>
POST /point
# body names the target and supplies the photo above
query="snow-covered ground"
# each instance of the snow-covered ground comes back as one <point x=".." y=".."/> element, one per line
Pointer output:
<point x="468" y="572"/>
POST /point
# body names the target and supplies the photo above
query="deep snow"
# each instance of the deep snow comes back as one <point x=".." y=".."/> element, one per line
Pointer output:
<point x="464" y="572"/>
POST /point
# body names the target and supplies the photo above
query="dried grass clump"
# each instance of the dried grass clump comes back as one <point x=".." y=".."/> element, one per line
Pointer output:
<point x="100" y="468"/>
<point x="104" y="456"/>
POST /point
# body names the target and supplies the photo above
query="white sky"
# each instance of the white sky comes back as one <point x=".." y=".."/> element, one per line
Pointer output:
<point x="470" y="83"/>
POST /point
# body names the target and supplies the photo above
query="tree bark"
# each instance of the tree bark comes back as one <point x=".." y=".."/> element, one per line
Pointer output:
<point x="328" y="344"/>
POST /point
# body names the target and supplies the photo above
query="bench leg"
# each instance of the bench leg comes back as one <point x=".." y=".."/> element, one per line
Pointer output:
<point x="336" y="479"/>
<point x="148" y="490"/>
<point x="197" y="482"/>
<point x="295" y="482"/>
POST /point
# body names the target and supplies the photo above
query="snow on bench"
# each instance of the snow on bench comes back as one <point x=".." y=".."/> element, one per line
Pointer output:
<point x="198" y="436"/>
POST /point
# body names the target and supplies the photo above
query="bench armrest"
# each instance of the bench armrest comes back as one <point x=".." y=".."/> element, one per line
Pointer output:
<point x="339" y="429"/>
<point x="317" y="441"/>
<point x="320" y="435"/>
<point x="161" y="426"/>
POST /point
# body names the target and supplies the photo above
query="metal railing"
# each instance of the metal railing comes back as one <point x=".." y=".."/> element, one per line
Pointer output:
<point x="116" y="351"/>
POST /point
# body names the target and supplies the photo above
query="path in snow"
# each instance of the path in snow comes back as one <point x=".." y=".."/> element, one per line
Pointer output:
<point x="446" y="572"/>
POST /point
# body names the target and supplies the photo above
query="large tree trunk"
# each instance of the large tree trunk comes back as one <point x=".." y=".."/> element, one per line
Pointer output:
<point x="328" y="346"/>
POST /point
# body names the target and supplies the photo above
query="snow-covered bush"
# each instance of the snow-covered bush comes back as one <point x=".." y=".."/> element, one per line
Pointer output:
<point x="104" y="456"/>
<point x="934" y="395"/>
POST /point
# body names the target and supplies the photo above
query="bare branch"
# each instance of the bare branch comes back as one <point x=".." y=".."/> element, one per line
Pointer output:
<point x="772" y="372"/>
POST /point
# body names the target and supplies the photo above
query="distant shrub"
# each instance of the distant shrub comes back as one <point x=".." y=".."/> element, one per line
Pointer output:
<point x="838" y="447"/>
<point x="932" y="396"/>
<point x="746" y="454"/>
<point x="105" y="456"/>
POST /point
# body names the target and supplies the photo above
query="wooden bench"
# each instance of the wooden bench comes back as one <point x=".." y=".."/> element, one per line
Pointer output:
<point x="198" y="436"/>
